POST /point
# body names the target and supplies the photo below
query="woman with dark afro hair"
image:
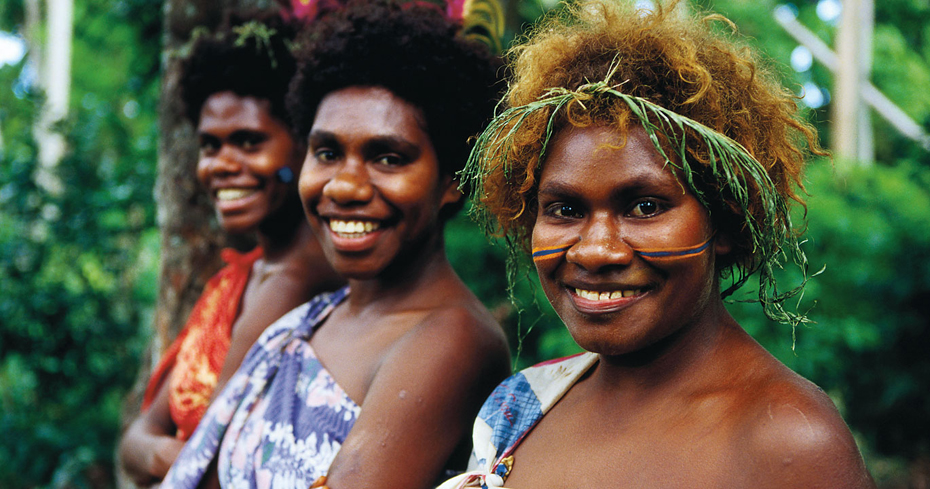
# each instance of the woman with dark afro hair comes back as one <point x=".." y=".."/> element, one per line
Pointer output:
<point x="376" y="385"/>
<point x="233" y="85"/>
<point x="643" y="159"/>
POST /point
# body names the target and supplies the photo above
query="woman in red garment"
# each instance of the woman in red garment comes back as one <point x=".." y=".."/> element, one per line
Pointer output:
<point x="233" y="85"/>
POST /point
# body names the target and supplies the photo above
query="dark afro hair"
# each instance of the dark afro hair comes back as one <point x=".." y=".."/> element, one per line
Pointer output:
<point x="412" y="50"/>
<point x="247" y="65"/>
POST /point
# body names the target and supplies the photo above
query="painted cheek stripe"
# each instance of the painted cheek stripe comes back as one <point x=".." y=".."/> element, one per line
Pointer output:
<point x="674" y="253"/>
<point x="548" y="253"/>
<point x="658" y="254"/>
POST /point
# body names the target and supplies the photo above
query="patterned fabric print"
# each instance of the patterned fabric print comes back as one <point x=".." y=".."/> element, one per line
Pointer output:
<point x="192" y="363"/>
<point x="510" y="413"/>
<point x="281" y="419"/>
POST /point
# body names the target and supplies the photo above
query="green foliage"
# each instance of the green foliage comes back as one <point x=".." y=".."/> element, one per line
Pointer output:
<point x="871" y="228"/>
<point x="77" y="270"/>
<point x="868" y="345"/>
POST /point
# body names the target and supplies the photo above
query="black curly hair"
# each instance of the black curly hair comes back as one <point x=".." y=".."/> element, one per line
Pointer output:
<point x="412" y="50"/>
<point x="249" y="54"/>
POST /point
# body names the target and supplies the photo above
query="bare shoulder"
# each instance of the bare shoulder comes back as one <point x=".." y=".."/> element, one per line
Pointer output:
<point x="267" y="300"/>
<point x="792" y="435"/>
<point x="461" y="332"/>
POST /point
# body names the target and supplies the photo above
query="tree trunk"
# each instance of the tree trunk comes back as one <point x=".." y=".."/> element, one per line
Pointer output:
<point x="190" y="238"/>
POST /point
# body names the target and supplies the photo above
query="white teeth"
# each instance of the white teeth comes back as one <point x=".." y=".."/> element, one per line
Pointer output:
<point x="603" y="296"/>
<point x="352" y="229"/>
<point x="233" y="193"/>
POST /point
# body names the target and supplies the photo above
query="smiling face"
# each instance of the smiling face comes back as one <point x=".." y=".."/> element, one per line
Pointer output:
<point x="242" y="146"/>
<point x="371" y="184"/>
<point x="603" y="202"/>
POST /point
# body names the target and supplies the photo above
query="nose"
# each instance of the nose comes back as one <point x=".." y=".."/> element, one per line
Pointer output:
<point x="350" y="185"/>
<point x="600" y="245"/>
<point x="222" y="162"/>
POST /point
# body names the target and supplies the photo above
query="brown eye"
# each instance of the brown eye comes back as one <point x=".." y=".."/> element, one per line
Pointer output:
<point x="645" y="208"/>
<point x="390" y="160"/>
<point x="209" y="146"/>
<point x="248" y="140"/>
<point x="561" y="209"/>
<point x="249" y="143"/>
<point x="324" y="155"/>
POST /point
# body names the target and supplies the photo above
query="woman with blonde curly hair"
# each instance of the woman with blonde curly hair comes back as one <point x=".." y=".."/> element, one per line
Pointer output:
<point x="644" y="160"/>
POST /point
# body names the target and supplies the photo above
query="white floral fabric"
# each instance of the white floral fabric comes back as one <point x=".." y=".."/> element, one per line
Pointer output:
<point x="281" y="418"/>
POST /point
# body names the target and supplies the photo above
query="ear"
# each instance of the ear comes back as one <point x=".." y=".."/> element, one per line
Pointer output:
<point x="723" y="244"/>
<point x="451" y="193"/>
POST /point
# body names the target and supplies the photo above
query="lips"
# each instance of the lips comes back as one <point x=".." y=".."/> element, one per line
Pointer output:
<point x="353" y="229"/>
<point x="593" y="295"/>
<point x="231" y="194"/>
<point x="230" y="201"/>
<point x="354" y="235"/>
<point x="606" y="300"/>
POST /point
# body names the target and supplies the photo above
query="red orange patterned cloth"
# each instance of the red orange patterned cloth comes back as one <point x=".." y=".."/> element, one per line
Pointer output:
<point x="192" y="363"/>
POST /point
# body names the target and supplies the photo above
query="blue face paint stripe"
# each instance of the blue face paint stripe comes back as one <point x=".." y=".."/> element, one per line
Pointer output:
<point x="545" y="253"/>
<point x="663" y="254"/>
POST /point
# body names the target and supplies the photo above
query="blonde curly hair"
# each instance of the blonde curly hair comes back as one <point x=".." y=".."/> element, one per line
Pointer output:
<point x="689" y="65"/>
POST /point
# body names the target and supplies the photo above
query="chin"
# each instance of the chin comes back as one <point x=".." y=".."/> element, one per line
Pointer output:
<point x="237" y="229"/>
<point x="609" y="340"/>
<point x="238" y="224"/>
<point x="353" y="270"/>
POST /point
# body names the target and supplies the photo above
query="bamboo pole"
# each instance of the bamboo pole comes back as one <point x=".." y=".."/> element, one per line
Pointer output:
<point x="55" y="77"/>
<point x="871" y="95"/>
<point x="846" y="87"/>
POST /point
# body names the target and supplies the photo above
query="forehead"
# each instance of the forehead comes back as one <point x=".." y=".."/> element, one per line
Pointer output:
<point x="599" y="156"/>
<point x="224" y="109"/>
<point x="369" y="112"/>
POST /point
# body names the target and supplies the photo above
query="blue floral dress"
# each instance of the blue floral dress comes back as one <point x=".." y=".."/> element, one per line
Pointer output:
<point x="282" y="417"/>
<point x="511" y="412"/>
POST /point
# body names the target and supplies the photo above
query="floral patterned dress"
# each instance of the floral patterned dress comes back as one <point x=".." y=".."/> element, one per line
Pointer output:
<point x="281" y="418"/>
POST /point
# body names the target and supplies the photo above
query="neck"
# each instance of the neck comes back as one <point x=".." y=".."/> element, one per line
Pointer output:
<point x="678" y="360"/>
<point x="281" y="245"/>
<point x="285" y="231"/>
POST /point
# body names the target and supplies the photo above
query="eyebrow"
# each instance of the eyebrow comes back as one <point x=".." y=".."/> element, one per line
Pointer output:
<point x="238" y="133"/>
<point x="557" y="189"/>
<point x="373" y="145"/>
<point x="637" y="184"/>
<point x="320" y="137"/>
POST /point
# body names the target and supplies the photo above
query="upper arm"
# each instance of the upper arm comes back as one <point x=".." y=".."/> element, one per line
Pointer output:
<point x="805" y="443"/>
<point x="420" y="405"/>
<point x="259" y="310"/>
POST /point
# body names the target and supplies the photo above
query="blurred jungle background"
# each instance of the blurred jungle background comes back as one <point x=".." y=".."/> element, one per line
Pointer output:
<point x="104" y="240"/>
